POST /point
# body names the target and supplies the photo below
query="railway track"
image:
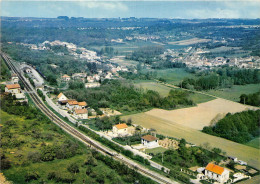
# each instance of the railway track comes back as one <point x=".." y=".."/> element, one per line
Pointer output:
<point x="74" y="132"/>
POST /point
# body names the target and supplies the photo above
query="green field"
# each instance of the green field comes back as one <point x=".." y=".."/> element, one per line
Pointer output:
<point x="235" y="92"/>
<point x="164" y="91"/>
<point x="155" y="150"/>
<point x="173" y="75"/>
<point x="254" y="143"/>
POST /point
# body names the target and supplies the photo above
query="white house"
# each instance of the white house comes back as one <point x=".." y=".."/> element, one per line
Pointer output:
<point x="15" y="79"/>
<point x="120" y="129"/>
<point x="71" y="104"/>
<point x="13" y="88"/>
<point x="92" y="85"/>
<point x="82" y="105"/>
<point x="62" y="97"/>
<point x="217" y="173"/>
<point x="81" y="113"/>
<point x="149" y="141"/>
<point x="66" y="78"/>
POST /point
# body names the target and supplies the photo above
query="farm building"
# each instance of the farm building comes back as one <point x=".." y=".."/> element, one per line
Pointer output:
<point x="66" y="78"/>
<point x="81" y="113"/>
<point x="82" y="105"/>
<point x="61" y="97"/>
<point x="120" y="129"/>
<point x="13" y="88"/>
<point x="149" y="141"/>
<point x="216" y="172"/>
<point x="71" y="104"/>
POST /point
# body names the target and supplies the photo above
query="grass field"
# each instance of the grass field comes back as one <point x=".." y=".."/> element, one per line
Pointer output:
<point x="235" y="92"/>
<point x="155" y="150"/>
<point x="254" y="143"/>
<point x="189" y="41"/>
<point x="169" y="128"/>
<point x="164" y="91"/>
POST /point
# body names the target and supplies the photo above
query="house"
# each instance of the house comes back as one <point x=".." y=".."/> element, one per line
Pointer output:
<point x="15" y="79"/>
<point x="217" y="173"/>
<point x="66" y="78"/>
<point x="81" y="113"/>
<point x="13" y="88"/>
<point x="61" y="97"/>
<point x="92" y="85"/>
<point x="71" y="104"/>
<point x="90" y="79"/>
<point x="82" y="105"/>
<point x="120" y="129"/>
<point x="149" y="141"/>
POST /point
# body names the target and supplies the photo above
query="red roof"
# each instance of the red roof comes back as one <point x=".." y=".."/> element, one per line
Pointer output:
<point x="81" y="111"/>
<point x="73" y="102"/>
<point x="13" y="86"/>
<point x="121" y="126"/>
<point x="82" y="104"/>
<point x="215" y="168"/>
<point x="149" y="138"/>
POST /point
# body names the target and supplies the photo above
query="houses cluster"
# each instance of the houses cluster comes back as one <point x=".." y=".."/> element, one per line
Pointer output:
<point x="79" y="110"/>
<point x="15" y="89"/>
<point x="194" y="58"/>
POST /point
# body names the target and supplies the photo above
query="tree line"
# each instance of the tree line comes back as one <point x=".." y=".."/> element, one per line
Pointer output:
<point x="239" y="127"/>
<point x="251" y="99"/>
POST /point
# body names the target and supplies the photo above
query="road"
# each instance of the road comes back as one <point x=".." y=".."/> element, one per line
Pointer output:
<point x="83" y="138"/>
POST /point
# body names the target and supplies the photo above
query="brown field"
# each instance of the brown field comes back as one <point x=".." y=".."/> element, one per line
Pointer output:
<point x="201" y="115"/>
<point x="169" y="128"/>
<point x="189" y="41"/>
<point x="186" y="123"/>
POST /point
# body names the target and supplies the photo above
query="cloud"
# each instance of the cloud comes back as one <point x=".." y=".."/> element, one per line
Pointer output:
<point x="216" y="13"/>
<point x="104" y="5"/>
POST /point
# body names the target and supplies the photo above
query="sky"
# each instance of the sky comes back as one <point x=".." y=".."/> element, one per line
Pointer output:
<point x="114" y="9"/>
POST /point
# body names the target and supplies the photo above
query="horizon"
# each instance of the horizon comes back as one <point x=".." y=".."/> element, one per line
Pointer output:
<point x="138" y="9"/>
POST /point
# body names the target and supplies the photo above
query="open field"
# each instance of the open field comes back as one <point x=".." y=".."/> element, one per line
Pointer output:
<point x="189" y="41"/>
<point x="170" y="128"/>
<point x="172" y="75"/>
<point x="155" y="150"/>
<point x="164" y="91"/>
<point x="120" y="60"/>
<point x="201" y="115"/>
<point x="235" y="92"/>
<point x="254" y="143"/>
<point x="224" y="49"/>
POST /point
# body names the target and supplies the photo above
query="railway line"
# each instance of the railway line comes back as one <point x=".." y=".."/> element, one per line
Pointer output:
<point x="74" y="132"/>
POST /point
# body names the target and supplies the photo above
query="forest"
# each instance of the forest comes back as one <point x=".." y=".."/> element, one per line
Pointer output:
<point x="124" y="97"/>
<point x="239" y="127"/>
<point x="251" y="99"/>
<point x="224" y="77"/>
<point x="34" y="150"/>
<point x="5" y="72"/>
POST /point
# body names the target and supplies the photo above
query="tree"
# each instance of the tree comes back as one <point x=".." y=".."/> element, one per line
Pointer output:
<point x="73" y="168"/>
<point x="31" y="175"/>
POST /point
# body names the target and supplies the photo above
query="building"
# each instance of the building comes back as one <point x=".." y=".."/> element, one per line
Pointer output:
<point x="71" y="104"/>
<point x="82" y="105"/>
<point x="120" y="129"/>
<point x="61" y="97"/>
<point x="92" y="85"/>
<point x="15" y="79"/>
<point x="81" y="113"/>
<point x="66" y="78"/>
<point x="13" y="88"/>
<point x="217" y="173"/>
<point x="149" y="141"/>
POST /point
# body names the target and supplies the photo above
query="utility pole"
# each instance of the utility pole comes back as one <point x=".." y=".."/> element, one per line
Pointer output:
<point x="162" y="157"/>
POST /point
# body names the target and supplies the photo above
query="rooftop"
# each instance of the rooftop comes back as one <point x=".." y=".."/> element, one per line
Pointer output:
<point x="121" y="126"/>
<point x="81" y="111"/>
<point x="215" y="168"/>
<point x="82" y="103"/>
<point x="13" y="86"/>
<point x="73" y="102"/>
<point x="149" y="138"/>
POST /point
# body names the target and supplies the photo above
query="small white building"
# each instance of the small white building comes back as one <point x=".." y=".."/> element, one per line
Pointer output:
<point x="72" y="104"/>
<point x="81" y="113"/>
<point x="61" y="97"/>
<point x="15" y="79"/>
<point x="120" y="129"/>
<point x="149" y="141"/>
<point x="217" y="173"/>
<point x="65" y="78"/>
<point x="13" y="88"/>
<point x="82" y="105"/>
<point x="92" y="85"/>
